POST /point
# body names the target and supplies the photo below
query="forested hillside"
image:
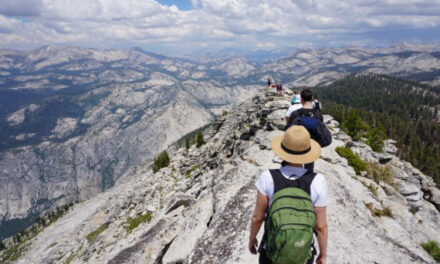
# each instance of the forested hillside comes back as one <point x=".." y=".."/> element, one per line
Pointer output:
<point x="375" y="106"/>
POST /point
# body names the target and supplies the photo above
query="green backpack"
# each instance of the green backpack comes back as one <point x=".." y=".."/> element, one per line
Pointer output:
<point x="290" y="220"/>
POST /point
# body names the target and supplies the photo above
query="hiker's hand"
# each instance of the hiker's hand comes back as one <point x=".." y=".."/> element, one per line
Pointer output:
<point x="253" y="244"/>
<point x="321" y="259"/>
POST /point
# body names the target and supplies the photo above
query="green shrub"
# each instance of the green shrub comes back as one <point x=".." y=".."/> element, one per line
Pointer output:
<point x="433" y="249"/>
<point x="188" y="172"/>
<point x="161" y="161"/>
<point x="386" y="211"/>
<point x="91" y="236"/>
<point x="353" y="159"/>
<point x="381" y="173"/>
<point x="132" y="223"/>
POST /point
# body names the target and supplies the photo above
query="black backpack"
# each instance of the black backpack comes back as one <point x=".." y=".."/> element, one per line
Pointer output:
<point x="311" y="121"/>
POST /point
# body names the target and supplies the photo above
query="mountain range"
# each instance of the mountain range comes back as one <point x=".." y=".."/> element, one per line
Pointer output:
<point x="74" y="121"/>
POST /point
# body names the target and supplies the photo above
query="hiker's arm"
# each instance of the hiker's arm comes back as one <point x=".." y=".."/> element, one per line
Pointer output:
<point x="322" y="233"/>
<point x="257" y="221"/>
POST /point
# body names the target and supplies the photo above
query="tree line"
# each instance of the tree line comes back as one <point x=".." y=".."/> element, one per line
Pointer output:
<point x="378" y="106"/>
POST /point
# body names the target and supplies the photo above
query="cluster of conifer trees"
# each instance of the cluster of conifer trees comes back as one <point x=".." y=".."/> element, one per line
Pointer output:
<point x="377" y="107"/>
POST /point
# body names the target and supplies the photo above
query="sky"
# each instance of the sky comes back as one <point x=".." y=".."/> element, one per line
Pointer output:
<point x="183" y="26"/>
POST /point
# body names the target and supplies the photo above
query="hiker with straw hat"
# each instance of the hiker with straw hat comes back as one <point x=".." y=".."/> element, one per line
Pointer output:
<point x="292" y="202"/>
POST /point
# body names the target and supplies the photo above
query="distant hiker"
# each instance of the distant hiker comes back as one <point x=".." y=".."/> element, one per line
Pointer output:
<point x="279" y="87"/>
<point x="292" y="202"/>
<point x="296" y="104"/>
<point x="296" y="99"/>
<point x="269" y="83"/>
<point x="312" y="120"/>
<point x="316" y="104"/>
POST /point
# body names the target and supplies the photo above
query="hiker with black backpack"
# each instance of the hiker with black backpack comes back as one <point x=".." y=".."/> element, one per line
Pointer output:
<point x="311" y="118"/>
<point x="316" y="104"/>
<point x="291" y="201"/>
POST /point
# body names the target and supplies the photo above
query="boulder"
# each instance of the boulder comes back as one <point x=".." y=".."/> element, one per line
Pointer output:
<point x="276" y="105"/>
<point x="277" y="119"/>
<point x="383" y="158"/>
<point x="342" y="137"/>
<point x="410" y="192"/>
<point x="390" y="146"/>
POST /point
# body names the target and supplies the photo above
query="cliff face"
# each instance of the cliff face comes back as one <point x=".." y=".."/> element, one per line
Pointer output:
<point x="73" y="121"/>
<point x="201" y="204"/>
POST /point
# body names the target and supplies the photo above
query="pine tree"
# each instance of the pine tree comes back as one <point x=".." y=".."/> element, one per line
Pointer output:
<point x="375" y="138"/>
<point x="187" y="145"/>
<point x="161" y="161"/>
<point x="2" y="246"/>
<point x="354" y="125"/>
<point x="200" y="140"/>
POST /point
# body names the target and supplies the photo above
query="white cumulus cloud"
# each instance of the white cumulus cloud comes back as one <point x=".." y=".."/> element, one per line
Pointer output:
<point x="212" y="23"/>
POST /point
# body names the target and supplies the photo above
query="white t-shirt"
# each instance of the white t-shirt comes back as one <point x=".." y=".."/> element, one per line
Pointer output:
<point x="318" y="188"/>
<point x="293" y="108"/>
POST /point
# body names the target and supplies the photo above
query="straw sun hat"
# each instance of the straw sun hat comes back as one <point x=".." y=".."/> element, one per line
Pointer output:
<point x="295" y="146"/>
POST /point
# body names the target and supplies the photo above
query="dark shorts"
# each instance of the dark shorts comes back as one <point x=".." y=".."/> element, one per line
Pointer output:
<point x="265" y="260"/>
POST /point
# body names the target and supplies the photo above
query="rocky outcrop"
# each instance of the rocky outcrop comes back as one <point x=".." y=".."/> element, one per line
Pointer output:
<point x="202" y="202"/>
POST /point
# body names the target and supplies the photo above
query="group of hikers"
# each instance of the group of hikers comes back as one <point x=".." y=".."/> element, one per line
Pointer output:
<point x="278" y="86"/>
<point x="292" y="200"/>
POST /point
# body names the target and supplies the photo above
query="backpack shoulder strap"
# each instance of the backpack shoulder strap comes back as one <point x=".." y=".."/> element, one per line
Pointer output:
<point x="306" y="180"/>
<point x="293" y="115"/>
<point x="279" y="181"/>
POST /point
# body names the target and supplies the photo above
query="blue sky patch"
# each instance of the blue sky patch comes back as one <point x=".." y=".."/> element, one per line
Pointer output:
<point x="181" y="4"/>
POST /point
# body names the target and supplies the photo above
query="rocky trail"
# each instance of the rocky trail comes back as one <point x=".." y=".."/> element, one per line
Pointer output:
<point x="198" y="209"/>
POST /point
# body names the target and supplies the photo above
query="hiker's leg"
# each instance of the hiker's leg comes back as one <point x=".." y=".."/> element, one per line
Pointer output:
<point x="263" y="258"/>
<point x="309" y="166"/>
